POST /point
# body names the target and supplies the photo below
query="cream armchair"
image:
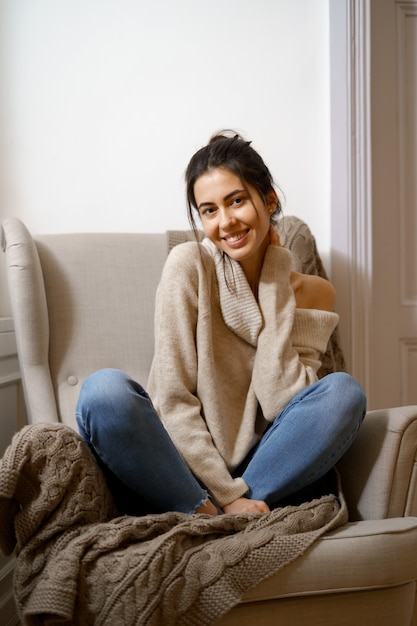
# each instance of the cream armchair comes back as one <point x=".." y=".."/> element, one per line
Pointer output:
<point x="85" y="301"/>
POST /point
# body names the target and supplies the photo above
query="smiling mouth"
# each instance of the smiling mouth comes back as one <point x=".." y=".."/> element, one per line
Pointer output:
<point x="235" y="238"/>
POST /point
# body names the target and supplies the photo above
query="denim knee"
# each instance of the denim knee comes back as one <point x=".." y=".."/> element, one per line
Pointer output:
<point x="104" y="395"/>
<point x="107" y="378"/>
<point x="348" y="394"/>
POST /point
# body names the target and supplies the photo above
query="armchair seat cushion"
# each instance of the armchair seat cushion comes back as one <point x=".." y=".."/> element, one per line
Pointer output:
<point x="356" y="557"/>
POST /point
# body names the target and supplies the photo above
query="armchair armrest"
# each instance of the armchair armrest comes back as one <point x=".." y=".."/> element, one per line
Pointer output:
<point x="30" y="314"/>
<point x="379" y="471"/>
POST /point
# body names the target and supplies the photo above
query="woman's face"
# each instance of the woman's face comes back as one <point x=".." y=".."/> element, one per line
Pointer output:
<point x="235" y="217"/>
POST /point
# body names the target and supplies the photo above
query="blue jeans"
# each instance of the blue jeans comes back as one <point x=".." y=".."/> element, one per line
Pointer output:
<point x="147" y="474"/>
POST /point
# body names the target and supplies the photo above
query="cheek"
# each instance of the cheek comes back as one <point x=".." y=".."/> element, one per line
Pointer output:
<point x="207" y="228"/>
<point x="264" y="221"/>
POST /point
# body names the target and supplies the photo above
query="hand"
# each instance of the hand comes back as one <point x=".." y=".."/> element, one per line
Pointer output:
<point x="245" y="505"/>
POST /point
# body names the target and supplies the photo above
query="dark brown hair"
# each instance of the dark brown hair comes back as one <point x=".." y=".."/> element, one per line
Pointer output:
<point x="229" y="151"/>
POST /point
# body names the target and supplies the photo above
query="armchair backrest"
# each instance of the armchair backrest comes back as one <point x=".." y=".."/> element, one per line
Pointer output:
<point x="81" y="302"/>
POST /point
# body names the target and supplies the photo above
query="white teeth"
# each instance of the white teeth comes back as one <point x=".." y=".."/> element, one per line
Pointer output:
<point x="235" y="238"/>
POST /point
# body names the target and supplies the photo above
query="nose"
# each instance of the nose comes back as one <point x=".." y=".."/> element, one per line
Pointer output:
<point x="227" y="219"/>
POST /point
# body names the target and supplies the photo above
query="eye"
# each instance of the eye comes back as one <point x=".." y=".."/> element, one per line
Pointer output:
<point x="238" y="200"/>
<point x="207" y="211"/>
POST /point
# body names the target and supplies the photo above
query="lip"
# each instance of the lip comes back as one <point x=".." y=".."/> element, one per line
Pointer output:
<point x="239" y="242"/>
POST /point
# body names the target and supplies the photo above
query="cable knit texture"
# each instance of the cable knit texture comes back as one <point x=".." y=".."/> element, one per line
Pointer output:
<point x="77" y="563"/>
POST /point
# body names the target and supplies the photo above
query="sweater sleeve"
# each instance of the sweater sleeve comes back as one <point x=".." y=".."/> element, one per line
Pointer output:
<point x="291" y="339"/>
<point x="173" y="379"/>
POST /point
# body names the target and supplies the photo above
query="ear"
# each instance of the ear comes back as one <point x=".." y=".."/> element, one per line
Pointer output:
<point x="271" y="201"/>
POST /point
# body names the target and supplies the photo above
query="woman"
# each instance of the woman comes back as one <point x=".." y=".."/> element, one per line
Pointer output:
<point x="236" y="420"/>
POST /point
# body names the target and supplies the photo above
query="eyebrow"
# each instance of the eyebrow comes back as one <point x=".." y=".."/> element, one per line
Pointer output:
<point x="226" y="198"/>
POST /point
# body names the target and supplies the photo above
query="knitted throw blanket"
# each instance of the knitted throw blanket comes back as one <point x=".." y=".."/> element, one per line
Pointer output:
<point x="77" y="563"/>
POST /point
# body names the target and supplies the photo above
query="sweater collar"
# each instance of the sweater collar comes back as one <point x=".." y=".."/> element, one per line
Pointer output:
<point x="238" y="305"/>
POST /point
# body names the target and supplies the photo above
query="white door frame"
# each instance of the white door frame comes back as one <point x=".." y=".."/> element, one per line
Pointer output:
<point x="351" y="197"/>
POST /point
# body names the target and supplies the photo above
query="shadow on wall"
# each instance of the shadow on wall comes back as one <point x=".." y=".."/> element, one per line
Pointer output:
<point x="353" y="293"/>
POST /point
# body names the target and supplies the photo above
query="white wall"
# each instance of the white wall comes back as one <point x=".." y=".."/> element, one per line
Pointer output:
<point x="104" y="102"/>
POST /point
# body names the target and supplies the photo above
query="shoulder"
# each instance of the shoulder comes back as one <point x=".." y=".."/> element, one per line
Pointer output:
<point x="184" y="251"/>
<point x="313" y="292"/>
<point x="186" y="257"/>
<point x="186" y="271"/>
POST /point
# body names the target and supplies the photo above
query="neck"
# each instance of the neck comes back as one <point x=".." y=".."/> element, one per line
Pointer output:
<point x="252" y="272"/>
<point x="252" y="267"/>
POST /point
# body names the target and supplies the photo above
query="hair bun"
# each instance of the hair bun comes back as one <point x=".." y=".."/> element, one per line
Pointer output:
<point x="225" y="134"/>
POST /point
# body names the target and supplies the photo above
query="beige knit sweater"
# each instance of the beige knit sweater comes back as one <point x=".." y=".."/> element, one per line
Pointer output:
<point x="225" y="365"/>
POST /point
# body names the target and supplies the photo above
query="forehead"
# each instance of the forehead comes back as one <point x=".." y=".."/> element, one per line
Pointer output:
<point x="217" y="182"/>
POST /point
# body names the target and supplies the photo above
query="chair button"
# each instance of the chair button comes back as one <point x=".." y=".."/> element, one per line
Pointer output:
<point x="72" y="380"/>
